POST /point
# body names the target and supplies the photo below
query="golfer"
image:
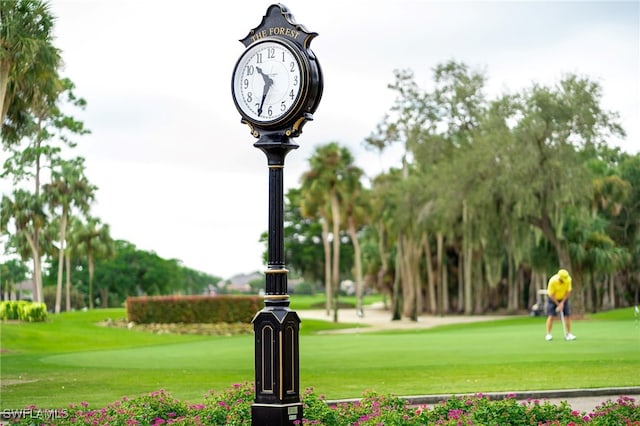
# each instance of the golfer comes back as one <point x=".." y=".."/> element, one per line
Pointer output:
<point x="558" y="290"/>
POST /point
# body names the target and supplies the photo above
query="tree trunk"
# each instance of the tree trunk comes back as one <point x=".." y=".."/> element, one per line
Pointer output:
<point x="357" y="264"/>
<point x="445" y="290"/>
<point x="409" y="275"/>
<point x="335" y="215"/>
<point x="90" y="280"/>
<point x="383" y="258"/>
<point x="408" y="299"/>
<point x="5" y="66"/>
<point x="328" y="288"/>
<point x="512" y="285"/>
<point x="612" y="291"/>
<point x="431" y="288"/>
<point x="577" y="291"/>
<point x="440" y="267"/>
<point x="478" y="287"/>
<point x="63" y="230"/>
<point x="37" y="271"/>
<point x="397" y="294"/>
<point x="67" y="261"/>
<point x="467" y="261"/>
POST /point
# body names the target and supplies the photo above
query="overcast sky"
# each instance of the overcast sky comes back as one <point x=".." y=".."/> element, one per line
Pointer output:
<point x="176" y="170"/>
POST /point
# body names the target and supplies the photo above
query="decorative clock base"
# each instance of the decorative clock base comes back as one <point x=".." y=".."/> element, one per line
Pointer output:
<point x="276" y="415"/>
<point x="277" y="400"/>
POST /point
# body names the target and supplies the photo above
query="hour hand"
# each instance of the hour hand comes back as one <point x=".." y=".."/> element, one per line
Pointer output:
<point x="268" y="82"/>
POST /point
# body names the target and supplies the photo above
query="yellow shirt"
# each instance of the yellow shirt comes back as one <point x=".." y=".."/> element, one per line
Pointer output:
<point x="558" y="289"/>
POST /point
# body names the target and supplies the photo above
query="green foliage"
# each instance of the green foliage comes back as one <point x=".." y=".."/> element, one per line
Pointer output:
<point x="131" y="271"/>
<point x="12" y="272"/>
<point x="23" y="310"/>
<point x="233" y="407"/>
<point x="77" y="299"/>
<point x="192" y="309"/>
<point x="305" y="288"/>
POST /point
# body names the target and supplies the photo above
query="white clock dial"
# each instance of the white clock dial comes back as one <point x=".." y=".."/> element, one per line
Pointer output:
<point x="267" y="82"/>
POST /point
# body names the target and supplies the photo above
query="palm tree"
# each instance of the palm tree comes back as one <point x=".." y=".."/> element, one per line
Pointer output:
<point x="28" y="61"/>
<point x="325" y="181"/>
<point x="69" y="188"/>
<point x="313" y="206"/>
<point x="94" y="240"/>
<point x="355" y="208"/>
<point x="25" y="210"/>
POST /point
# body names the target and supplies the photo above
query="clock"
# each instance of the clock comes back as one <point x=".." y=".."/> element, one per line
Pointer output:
<point x="269" y="82"/>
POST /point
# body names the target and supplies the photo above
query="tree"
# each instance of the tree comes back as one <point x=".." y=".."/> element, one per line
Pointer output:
<point x="94" y="241"/>
<point x="549" y="173"/>
<point x="40" y="150"/>
<point x="433" y="126"/>
<point x="26" y="212"/>
<point x="303" y="239"/>
<point x="12" y="272"/>
<point x="496" y="183"/>
<point x="69" y="188"/>
<point x="354" y="198"/>
<point x="28" y="63"/>
<point x="324" y="185"/>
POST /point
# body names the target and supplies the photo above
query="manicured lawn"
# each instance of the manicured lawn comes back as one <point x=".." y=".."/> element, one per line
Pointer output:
<point x="69" y="359"/>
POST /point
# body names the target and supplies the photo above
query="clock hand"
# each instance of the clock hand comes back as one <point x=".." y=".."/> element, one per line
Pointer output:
<point x="268" y="82"/>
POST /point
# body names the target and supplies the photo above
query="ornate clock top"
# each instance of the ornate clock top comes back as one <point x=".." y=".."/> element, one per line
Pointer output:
<point x="279" y="21"/>
<point x="277" y="81"/>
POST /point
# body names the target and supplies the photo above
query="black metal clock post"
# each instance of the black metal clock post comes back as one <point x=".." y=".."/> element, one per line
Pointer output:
<point x="276" y="86"/>
<point x="276" y="327"/>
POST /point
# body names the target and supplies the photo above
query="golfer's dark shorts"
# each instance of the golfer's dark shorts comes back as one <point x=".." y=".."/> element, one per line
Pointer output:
<point x="551" y="308"/>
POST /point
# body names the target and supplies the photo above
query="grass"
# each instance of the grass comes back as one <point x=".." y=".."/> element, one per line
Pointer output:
<point x="318" y="301"/>
<point x="69" y="359"/>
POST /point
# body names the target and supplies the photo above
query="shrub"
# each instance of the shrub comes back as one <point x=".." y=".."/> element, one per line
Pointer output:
<point x="233" y="407"/>
<point x="23" y="310"/>
<point x="192" y="309"/>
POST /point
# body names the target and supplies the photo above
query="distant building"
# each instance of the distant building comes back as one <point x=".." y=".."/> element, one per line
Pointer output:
<point x="240" y="283"/>
<point x="21" y="291"/>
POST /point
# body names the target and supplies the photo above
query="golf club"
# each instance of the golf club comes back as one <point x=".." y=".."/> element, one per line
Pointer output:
<point x="564" y="327"/>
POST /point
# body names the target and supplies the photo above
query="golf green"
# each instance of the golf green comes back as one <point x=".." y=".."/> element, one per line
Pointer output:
<point x="70" y="359"/>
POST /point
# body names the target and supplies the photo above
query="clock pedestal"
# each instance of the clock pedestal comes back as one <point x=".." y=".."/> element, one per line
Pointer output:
<point x="276" y="327"/>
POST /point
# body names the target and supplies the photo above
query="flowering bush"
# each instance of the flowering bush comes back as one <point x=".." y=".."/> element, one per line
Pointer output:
<point x="233" y="407"/>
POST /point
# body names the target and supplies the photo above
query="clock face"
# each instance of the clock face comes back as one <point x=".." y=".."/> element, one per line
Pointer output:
<point x="267" y="82"/>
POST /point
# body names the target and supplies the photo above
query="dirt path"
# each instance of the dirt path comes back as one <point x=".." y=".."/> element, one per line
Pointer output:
<point x="376" y="318"/>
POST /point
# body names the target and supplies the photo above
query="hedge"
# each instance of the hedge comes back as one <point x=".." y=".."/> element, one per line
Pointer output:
<point x="23" y="310"/>
<point x="192" y="309"/>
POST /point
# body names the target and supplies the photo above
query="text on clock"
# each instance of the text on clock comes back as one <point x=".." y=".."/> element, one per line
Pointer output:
<point x="271" y="31"/>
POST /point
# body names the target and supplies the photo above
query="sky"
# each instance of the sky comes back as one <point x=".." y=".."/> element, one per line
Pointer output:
<point x="176" y="170"/>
